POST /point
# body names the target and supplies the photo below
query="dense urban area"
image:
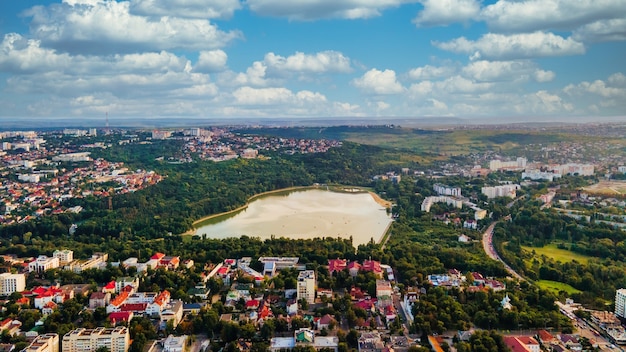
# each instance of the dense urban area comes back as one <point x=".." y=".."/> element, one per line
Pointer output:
<point x="503" y="238"/>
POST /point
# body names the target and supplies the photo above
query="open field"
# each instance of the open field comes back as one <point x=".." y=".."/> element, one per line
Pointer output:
<point x="608" y="187"/>
<point x="556" y="287"/>
<point x="560" y="255"/>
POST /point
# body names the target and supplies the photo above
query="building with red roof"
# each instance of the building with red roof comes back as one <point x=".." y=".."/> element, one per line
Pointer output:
<point x="120" y="317"/>
<point x="372" y="266"/>
<point x="139" y="308"/>
<point x="157" y="256"/>
<point x="354" y="268"/>
<point x="252" y="304"/>
<point x="335" y="265"/>
<point x="109" y="287"/>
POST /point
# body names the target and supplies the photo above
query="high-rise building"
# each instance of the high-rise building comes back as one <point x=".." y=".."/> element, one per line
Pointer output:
<point x="306" y="286"/>
<point x="620" y="303"/>
<point x="44" y="343"/>
<point x="115" y="339"/>
<point x="10" y="283"/>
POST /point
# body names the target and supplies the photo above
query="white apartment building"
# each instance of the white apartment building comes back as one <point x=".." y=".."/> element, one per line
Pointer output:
<point x="574" y="169"/>
<point x="10" y="283"/>
<point x="43" y="263"/>
<point x="620" y="303"/>
<point x="447" y="190"/>
<point x="89" y="340"/>
<point x="306" y="286"/>
<point x="500" y="191"/>
<point x="44" y="343"/>
<point x="519" y="163"/>
<point x="429" y="201"/>
<point x="65" y="256"/>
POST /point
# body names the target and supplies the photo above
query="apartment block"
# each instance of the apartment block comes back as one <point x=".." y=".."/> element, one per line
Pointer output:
<point x="89" y="340"/>
<point x="10" y="283"/>
<point x="44" y="343"/>
<point x="620" y="303"/>
<point x="306" y="286"/>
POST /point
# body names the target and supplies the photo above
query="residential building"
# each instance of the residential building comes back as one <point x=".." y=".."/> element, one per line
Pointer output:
<point x="122" y="282"/>
<point x="384" y="293"/>
<point x="500" y="191"/>
<point x="519" y="163"/>
<point x="10" y="283"/>
<point x="620" y="303"/>
<point x="43" y="263"/>
<point x="115" y="339"/>
<point x="44" y="343"/>
<point x="172" y="312"/>
<point x="447" y="190"/>
<point x="306" y="286"/>
<point x="174" y="343"/>
<point x="336" y="265"/>
<point x="99" y="299"/>
<point x="304" y="338"/>
<point x="65" y="256"/>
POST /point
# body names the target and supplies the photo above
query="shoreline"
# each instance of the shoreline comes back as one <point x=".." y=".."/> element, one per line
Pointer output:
<point x="382" y="202"/>
<point x="212" y="216"/>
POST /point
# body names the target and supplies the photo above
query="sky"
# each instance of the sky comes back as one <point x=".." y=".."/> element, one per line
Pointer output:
<point x="498" y="60"/>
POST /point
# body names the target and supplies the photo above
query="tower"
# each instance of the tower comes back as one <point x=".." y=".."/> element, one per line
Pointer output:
<point x="106" y="126"/>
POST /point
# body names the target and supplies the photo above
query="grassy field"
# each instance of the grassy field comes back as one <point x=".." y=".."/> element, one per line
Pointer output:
<point x="560" y="255"/>
<point x="556" y="287"/>
<point x="608" y="187"/>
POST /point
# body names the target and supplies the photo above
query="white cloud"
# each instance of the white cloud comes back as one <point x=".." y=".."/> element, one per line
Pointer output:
<point x="321" y="62"/>
<point x="108" y="27"/>
<point x="602" y="31"/>
<point x="18" y="54"/>
<point x="318" y="9"/>
<point x="275" y="96"/>
<point x="458" y="84"/>
<point x="543" y="102"/>
<point x="506" y="71"/>
<point x="613" y="88"/>
<point x="534" y="15"/>
<point x="21" y="56"/>
<point x="211" y="61"/>
<point x="430" y="72"/>
<point x="515" y="46"/>
<point x="222" y="9"/>
<point x="421" y="88"/>
<point x="254" y="75"/>
<point x="543" y="76"/>
<point x="444" y="12"/>
<point x="378" y="82"/>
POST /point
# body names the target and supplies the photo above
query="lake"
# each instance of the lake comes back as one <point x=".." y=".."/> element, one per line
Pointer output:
<point x="304" y="214"/>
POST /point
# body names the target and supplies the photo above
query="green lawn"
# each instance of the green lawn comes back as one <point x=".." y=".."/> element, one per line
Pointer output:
<point x="560" y="255"/>
<point x="556" y="287"/>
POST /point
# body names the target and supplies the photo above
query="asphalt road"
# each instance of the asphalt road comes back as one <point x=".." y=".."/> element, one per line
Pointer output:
<point x="491" y="251"/>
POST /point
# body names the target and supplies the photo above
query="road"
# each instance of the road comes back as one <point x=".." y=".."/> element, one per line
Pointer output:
<point x="491" y="251"/>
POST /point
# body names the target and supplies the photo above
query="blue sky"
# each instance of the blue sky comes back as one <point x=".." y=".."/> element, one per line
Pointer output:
<point x="490" y="60"/>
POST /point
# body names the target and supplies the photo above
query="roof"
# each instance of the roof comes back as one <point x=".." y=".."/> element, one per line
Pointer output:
<point x="158" y="256"/>
<point x="336" y="265"/>
<point x="545" y="336"/>
<point x="120" y="316"/>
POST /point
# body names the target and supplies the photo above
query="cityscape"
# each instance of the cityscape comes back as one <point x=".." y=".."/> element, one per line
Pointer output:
<point x="77" y="293"/>
<point x="312" y="175"/>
